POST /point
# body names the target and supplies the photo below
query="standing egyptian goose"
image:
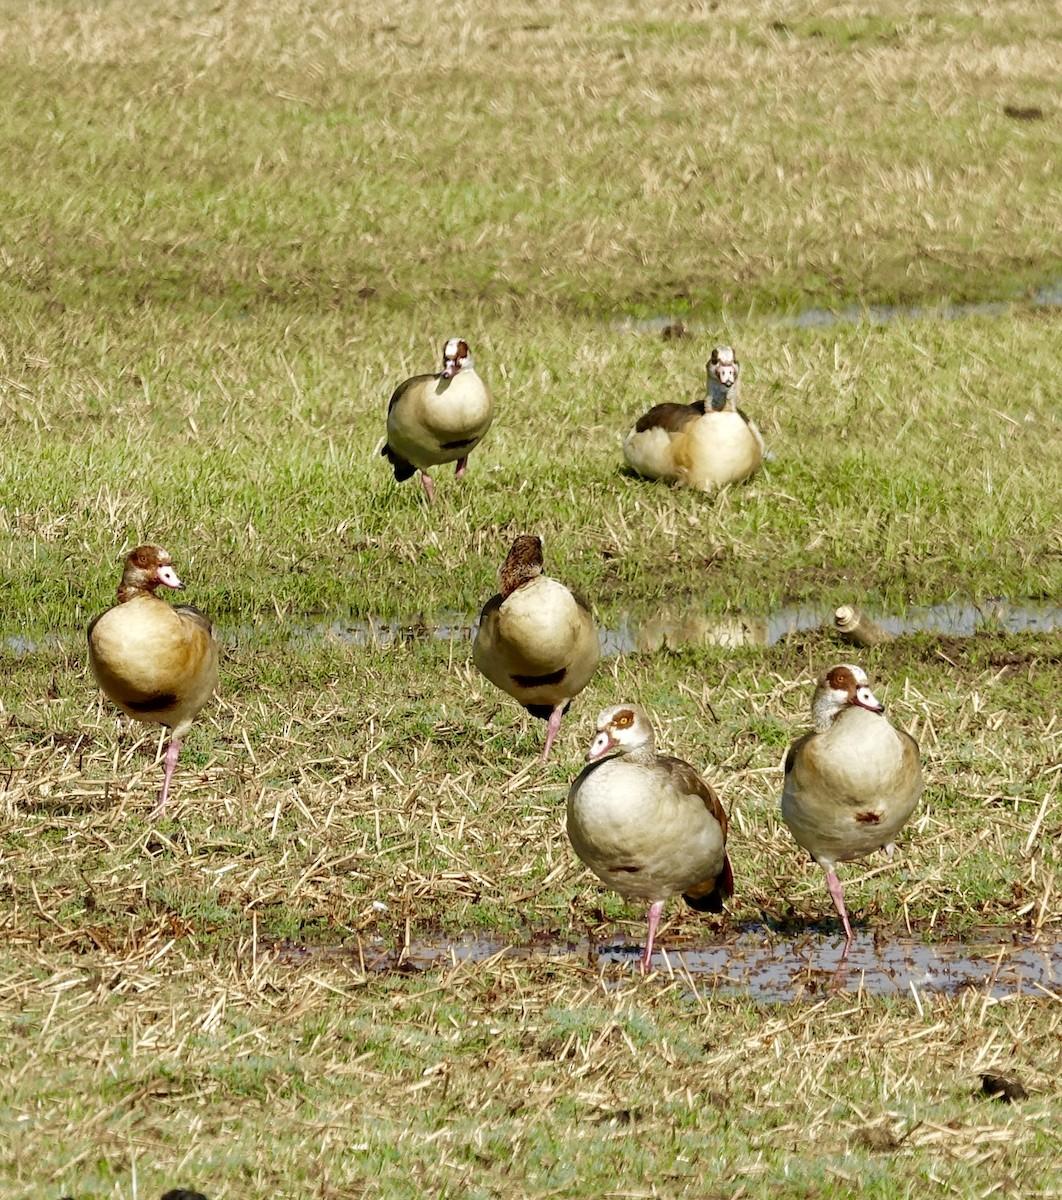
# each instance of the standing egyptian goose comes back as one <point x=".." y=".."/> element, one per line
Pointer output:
<point x="536" y="640"/>
<point x="702" y="445"/>
<point x="647" y="824"/>
<point x="852" y="781"/>
<point x="438" y="418"/>
<point x="158" y="662"/>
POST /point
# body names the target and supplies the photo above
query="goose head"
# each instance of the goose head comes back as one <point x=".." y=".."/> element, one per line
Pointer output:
<point x="624" y="728"/>
<point x="456" y="357"/>
<point x="842" y="687"/>
<point x="146" y="568"/>
<point x="723" y="369"/>
<point x="522" y="564"/>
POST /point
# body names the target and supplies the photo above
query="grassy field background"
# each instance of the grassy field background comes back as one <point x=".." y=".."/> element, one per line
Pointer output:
<point x="229" y="232"/>
<point x="745" y="155"/>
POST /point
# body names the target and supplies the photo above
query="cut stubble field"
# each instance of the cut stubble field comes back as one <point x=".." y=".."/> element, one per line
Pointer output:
<point x="229" y="233"/>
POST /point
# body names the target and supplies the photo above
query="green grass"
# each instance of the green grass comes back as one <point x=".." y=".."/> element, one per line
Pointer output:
<point x="467" y="1083"/>
<point x="264" y="158"/>
<point x="908" y="469"/>
<point x="229" y="232"/>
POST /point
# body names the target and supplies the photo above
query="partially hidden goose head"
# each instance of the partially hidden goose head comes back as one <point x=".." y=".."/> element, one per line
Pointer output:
<point x="647" y="824"/>
<point x="433" y="419"/>
<point x="157" y="662"/>
<point x="523" y="563"/>
<point x="536" y="640"/>
<point x="852" y="782"/>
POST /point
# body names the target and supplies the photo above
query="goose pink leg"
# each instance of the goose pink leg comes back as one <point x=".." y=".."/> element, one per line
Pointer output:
<point x="462" y="464"/>
<point x="552" y="729"/>
<point x="172" y="751"/>
<point x="656" y="910"/>
<point x="834" y="884"/>
<point x="429" y="486"/>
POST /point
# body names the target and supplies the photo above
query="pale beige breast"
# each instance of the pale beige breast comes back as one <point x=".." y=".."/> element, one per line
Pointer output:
<point x="539" y="630"/>
<point x="153" y="661"/>
<point x="639" y="833"/>
<point x="438" y="420"/>
<point x="716" y="449"/>
<point x="851" y="789"/>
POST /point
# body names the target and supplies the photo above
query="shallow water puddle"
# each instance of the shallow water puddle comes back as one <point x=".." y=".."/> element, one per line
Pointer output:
<point x="674" y="628"/>
<point x="684" y="626"/>
<point x="765" y="967"/>
<point x="1049" y="296"/>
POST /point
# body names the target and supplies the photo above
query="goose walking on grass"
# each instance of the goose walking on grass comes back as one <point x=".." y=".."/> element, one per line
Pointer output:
<point x="851" y="782"/>
<point x="647" y="824"/>
<point x="702" y="445"/>
<point x="536" y="640"/>
<point x="434" y="419"/>
<point x="156" y="661"/>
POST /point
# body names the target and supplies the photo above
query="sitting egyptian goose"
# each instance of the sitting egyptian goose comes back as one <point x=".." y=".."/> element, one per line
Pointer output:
<point x="158" y="662"/>
<point x="852" y="781"/>
<point x="536" y="640"/>
<point x="647" y="824"/>
<point x="438" y="418"/>
<point x="702" y="445"/>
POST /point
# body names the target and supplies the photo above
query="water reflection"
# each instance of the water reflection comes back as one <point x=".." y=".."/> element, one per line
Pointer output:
<point x="683" y="627"/>
<point x="672" y="628"/>
<point x="759" y="964"/>
<point x="1049" y="296"/>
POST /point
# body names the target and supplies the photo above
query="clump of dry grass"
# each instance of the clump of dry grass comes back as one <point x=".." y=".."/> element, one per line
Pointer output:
<point x="303" y="801"/>
<point x="244" y="1075"/>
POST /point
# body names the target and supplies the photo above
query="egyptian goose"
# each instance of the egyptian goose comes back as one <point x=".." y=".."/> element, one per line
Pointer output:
<point x="536" y="640"/>
<point x="702" y="445"/>
<point x="158" y="662"/>
<point x="647" y="824"/>
<point x="438" y="418"/>
<point x="852" y="781"/>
